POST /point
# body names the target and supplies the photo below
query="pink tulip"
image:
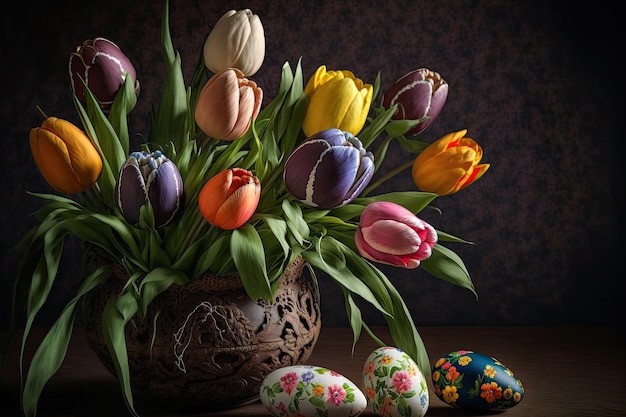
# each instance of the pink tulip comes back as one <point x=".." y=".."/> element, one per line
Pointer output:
<point x="390" y="234"/>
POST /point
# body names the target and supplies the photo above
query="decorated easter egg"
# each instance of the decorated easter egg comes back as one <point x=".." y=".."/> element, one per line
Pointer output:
<point x="305" y="390"/>
<point x="393" y="384"/>
<point x="474" y="381"/>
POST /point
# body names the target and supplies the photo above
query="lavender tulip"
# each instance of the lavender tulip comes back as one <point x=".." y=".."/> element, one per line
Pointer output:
<point x="329" y="169"/>
<point x="149" y="178"/>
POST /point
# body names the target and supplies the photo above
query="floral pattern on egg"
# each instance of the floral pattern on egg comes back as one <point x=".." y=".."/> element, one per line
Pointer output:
<point x="470" y="380"/>
<point x="306" y="390"/>
<point x="394" y="385"/>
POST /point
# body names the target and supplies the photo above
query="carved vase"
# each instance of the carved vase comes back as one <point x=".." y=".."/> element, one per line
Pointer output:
<point x="207" y="342"/>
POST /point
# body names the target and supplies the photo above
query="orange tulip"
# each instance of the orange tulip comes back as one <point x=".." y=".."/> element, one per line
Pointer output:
<point x="227" y="104"/>
<point x="65" y="155"/>
<point x="449" y="164"/>
<point x="229" y="199"/>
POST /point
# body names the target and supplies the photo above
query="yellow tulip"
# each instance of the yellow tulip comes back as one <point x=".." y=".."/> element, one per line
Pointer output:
<point x="449" y="164"/>
<point x="337" y="99"/>
<point x="65" y="155"/>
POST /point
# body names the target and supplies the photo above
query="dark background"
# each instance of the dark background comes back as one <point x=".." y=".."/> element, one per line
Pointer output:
<point x="537" y="83"/>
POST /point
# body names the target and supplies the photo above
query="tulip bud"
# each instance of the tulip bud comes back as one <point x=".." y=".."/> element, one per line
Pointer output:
<point x="329" y="169"/>
<point x="149" y="178"/>
<point x="227" y="104"/>
<point x="66" y="157"/>
<point x="236" y="41"/>
<point x="337" y="99"/>
<point x="420" y="94"/>
<point x="449" y="164"/>
<point x="103" y="66"/>
<point x="390" y="234"/>
<point x="229" y="199"/>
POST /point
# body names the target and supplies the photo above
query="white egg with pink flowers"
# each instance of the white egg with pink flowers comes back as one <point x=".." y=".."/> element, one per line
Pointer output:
<point x="393" y="384"/>
<point x="307" y="390"/>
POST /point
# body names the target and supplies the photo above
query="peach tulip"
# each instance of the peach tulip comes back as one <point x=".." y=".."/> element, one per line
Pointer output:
<point x="227" y="104"/>
<point x="229" y="199"/>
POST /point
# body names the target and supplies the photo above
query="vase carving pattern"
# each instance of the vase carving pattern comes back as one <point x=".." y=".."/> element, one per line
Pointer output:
<point x="208" y="342"/>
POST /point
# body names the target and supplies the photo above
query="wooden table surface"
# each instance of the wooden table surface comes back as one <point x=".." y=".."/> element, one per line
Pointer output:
<point x="566" y="371"/>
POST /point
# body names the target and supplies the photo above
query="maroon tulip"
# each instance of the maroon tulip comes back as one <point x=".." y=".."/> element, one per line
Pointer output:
<point x="103" y="66"/>
<point x="420" y="94"/>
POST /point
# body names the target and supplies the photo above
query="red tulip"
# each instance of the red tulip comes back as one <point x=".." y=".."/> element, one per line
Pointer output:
<point x="229" y="199"/>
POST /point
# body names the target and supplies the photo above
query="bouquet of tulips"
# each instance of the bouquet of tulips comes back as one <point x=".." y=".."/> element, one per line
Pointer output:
<point x="224" y="186"/>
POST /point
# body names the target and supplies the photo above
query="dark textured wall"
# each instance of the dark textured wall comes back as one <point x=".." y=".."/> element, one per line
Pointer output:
<point x="534" y="84"/>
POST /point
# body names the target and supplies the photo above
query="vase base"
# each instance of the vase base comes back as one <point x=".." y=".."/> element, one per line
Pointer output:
<point x="206" y="348"/>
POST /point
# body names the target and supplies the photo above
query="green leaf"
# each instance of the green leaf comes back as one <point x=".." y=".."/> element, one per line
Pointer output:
<point x="51" y="351"/>
<point x="117" y="312"/>
<point x="155" y="282"/>
<point x="354" y="316"/>
<point x="376" y="126"/>
<point x="278" y="226"/>
<point x="411" y="146"/>
<point x="328" y="256"/>
<point x="403" y="330"/>
<point x="170" y="121"/>
<point x="447" y="265"/>
<point x="107" y="137"/>
<point x="295" y="222"/>
<point x="247" y="252"/>
<point x="397" y="128"/>
<point x="124" y="102"/>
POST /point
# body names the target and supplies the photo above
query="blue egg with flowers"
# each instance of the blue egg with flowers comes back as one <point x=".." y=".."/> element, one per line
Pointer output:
<point x="475" y="381"/>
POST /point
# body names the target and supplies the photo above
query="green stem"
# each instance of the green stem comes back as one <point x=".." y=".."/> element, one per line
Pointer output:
<point x="385" y="177"/>
<point x="383" y="146"/>
<point x="192" y="234"/>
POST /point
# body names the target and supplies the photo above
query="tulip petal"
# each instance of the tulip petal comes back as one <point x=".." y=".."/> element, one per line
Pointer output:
<point x="381" y="257"/>
<point x="130" y="192"/>
<point x="164" y="190"/>
<point x="392" y="237"/>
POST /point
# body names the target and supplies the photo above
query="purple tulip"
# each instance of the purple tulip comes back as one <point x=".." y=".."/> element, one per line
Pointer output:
<point x="149" y="178"/>
<point x="419" y="94"/>
<point x="329" y="169"/>
<point x="390" y="234"/>
<point x="103" y="66"/>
